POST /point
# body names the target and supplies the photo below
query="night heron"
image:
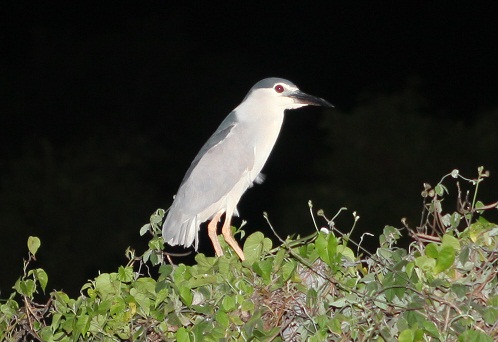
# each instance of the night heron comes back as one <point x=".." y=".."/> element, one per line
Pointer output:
<point x="230" y="162"/>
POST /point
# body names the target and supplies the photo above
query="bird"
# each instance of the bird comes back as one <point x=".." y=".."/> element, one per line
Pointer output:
<point x="230" y="162"/>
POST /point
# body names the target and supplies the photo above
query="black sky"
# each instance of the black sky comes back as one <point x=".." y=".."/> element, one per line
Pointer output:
<point x="345" y="48"/>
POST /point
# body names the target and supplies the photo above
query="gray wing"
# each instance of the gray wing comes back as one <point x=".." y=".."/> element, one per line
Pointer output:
<point x="217" y="168"/>
<point x="218" y="137"/>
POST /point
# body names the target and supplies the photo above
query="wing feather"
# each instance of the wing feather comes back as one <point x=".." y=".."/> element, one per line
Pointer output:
<point x="222" y="162"/>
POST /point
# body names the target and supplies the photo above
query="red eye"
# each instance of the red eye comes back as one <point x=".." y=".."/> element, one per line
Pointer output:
<point x="279" y="88"/>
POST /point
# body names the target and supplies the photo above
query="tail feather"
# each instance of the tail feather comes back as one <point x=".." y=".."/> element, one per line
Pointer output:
<point x="178" y="229"/>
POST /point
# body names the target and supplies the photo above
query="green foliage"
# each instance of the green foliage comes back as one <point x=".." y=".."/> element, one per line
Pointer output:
<point x="442" y="288"/>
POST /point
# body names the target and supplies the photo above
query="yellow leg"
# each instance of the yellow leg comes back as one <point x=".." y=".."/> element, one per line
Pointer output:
<point x="227" y="234"/>
<point x="212" y="232"/>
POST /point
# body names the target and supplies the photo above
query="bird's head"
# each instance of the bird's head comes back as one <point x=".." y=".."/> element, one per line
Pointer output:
<point x="281" y="94"/>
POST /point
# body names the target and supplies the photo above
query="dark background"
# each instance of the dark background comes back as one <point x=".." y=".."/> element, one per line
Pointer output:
<point x="103" y="108"/>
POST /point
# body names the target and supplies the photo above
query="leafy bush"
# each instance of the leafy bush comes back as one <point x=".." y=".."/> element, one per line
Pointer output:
<point x="443" y="287"/>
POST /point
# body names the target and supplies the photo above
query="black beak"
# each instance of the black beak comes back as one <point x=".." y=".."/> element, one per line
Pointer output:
<point x="306" y="99"/>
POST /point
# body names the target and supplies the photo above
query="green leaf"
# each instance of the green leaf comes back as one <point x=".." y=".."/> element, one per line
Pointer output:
<point x="42" y="277"/>
<point x="431" y="329"/>
<point x="235" y="318"/>
<point x="180" y="274"/>
<point x="182" y="335"/>
<point x="409" y="268"/>
<point x="463" y="257"/>
<point x="440" y="189"/>
<point x="222" y="318"/>
<point x="118" y="306"/>
<point x="389" y="236"/>
<point x="247" y="305"/>
<point x="106" y="285"/>
<point x="266" y="335"/>
<point x="279" y="258"/>
<point x="82" y="324"/>
<point x="165" y="270"/>
<point x="205" y="263"/>
<point x="46" y="334"/>
<point x="460" y="290"/>
<point x="142" y="300"/>
<point x="339" y="302"/>
<point x="228" y="303"/>
<point x="125" y="274"/>
<point x="321" y="247"/>
<point x="104" y="306"/>
<point x="474" y="336"/>
<point x="264" y="269"/>
<point x="161" y="296"/>
<point x="146" y="255"/>
<point x="450" y="240"/>
<point x="332" y="248"/>
<point x="493" y="301"/>
<point x="326" y="247"/>
<point x="33" y="244"/>
<point x="156" y="258"/>
<point x="425" y="263"/>
<point x="346" y="252"/>
<point x="431" y="250"/>
<point x="156" y="218"/>
<point x="25" y="287"/>
<point x="455" y="220"/>
<point x="9" y="309"/>
<point x="406" y="336"/>
<point x="199" y="330"/>
<point x="479" y="205"/>
<point x="288" y="269"/>
<point x="445" y="258"/>
<point x="418" y="335"/>
<point x="186" y="295"/>
<point x="145" y="285"/>
<point x="145" y="228"/>
<point x="394" y="284"/>
<point x="156" y="244"/>
<point x="385" y="253"/>
<point x="490" y="315"/>
<point x="256" y="244"/>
